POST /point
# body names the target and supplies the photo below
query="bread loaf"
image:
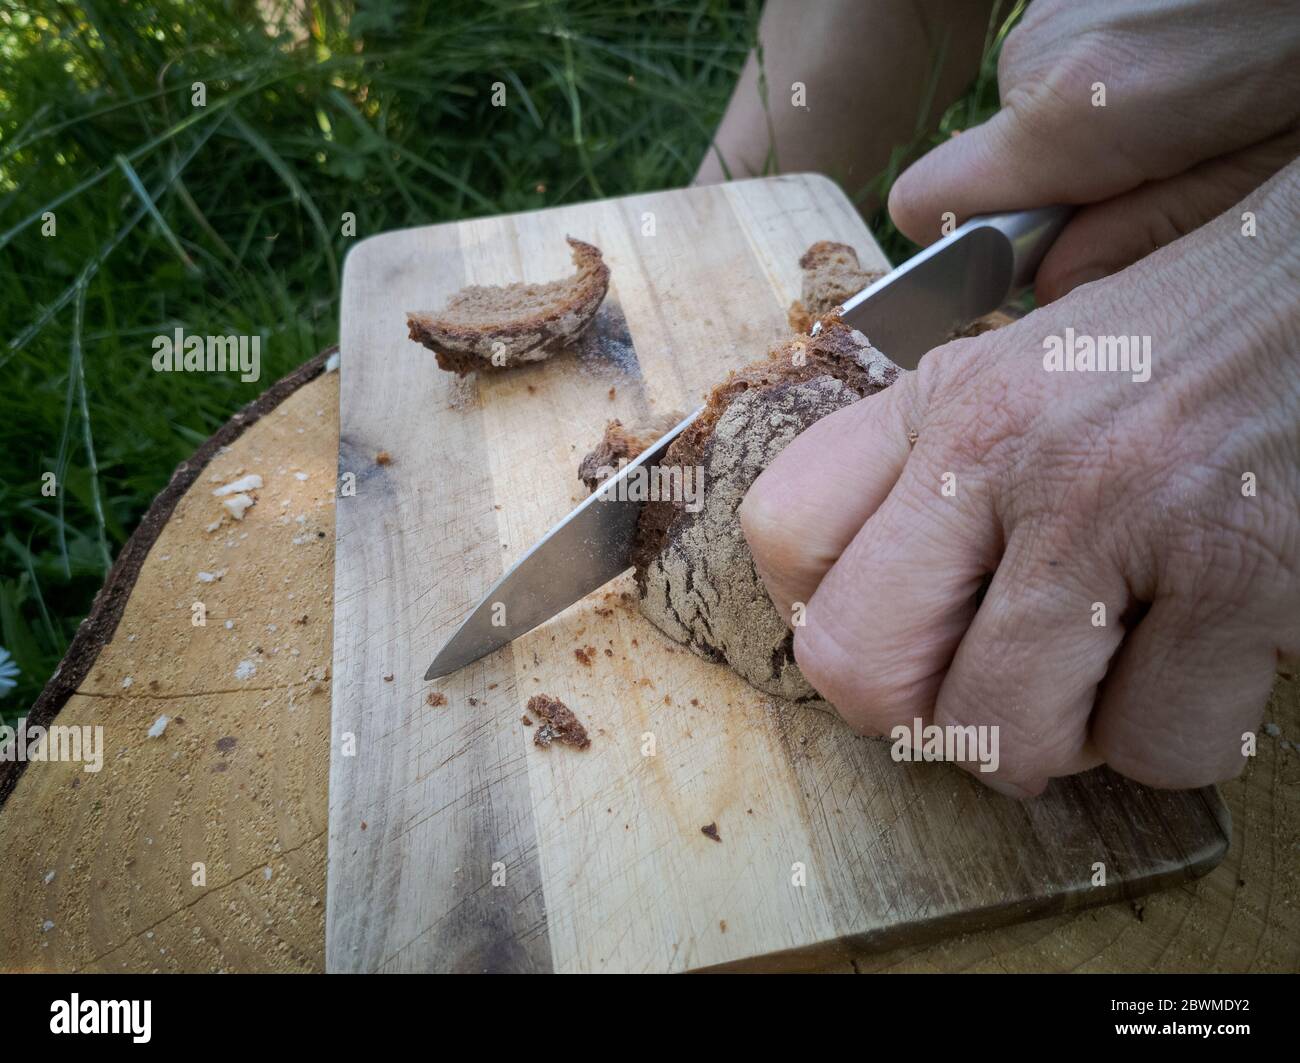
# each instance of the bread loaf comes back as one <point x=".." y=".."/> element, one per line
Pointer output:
<point x="694" y="571"/>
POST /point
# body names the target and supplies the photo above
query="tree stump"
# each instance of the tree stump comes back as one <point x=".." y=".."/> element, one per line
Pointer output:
<point x="203" y="848"/>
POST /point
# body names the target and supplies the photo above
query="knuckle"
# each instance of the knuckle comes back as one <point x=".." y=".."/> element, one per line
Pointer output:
<point x="1159" y="768"/>
<point x="1035" y="739"/>
<point x="870" y="697"/>
<point x="979" y="411"/>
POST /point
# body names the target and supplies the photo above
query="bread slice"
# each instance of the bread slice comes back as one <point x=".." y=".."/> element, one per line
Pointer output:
<point x="497" y="327"/>
<point x="831" y="275"/>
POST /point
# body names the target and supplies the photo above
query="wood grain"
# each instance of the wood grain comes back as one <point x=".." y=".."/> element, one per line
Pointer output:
<point x="116" y="902"/>
<point x="599" y="859"/>
<point x="99" y="870"/>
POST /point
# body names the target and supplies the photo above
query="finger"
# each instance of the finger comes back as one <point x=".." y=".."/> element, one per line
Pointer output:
<point x="1004" y="164"/>
<point x="1181" y="693"/>
<point x="809" y="503"/>
<point x="1032" y="660"/>
<point x="1105" y="238"/>
<point x="884" y="622"/>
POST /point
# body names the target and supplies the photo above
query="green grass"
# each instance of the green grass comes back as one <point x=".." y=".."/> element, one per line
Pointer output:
<point x="227" y="218"/>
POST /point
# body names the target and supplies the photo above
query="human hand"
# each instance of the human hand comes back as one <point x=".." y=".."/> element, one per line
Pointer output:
<point x="1173" y="503"/>
<point x="1202" y="105"/>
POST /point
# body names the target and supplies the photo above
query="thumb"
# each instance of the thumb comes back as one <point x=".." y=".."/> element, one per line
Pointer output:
<point x="1026" y="155"/>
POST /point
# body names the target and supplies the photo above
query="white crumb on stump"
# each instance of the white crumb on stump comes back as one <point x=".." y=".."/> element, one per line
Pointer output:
<point x="235" y="496"/>
<point x="251" y="482"/>
<point x="238" y="505"/>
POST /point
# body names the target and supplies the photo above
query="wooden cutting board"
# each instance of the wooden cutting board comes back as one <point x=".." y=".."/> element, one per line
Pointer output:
<point x="457" y="844"/>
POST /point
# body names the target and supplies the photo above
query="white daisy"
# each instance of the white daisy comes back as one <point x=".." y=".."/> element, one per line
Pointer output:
<point x="8" y="672"/>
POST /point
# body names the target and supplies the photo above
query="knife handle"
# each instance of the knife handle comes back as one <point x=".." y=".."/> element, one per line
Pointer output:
<point x="1030" y="233"/>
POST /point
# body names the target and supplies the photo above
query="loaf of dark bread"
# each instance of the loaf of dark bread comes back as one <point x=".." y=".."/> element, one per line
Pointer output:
<point x="694" y="571"/>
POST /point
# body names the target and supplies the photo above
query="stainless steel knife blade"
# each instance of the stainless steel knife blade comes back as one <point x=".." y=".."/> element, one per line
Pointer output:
<point x="588" y="548"/>
<point x="969" y="273"/>
<point x="906" y="313"/>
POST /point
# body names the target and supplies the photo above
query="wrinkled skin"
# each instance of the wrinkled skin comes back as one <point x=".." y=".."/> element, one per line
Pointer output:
<point x="1077" y="488"/>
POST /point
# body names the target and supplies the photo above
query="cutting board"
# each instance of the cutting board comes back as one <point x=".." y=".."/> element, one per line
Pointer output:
<point x="456" y="843"/>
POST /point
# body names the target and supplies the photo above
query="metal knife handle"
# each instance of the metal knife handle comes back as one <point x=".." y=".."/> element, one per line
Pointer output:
<point x="1029" y="232"/>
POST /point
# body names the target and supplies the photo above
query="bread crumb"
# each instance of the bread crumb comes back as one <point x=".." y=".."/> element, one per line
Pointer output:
<point x="383" y="458"/>
<point x="711" y="831"/>
<point x="436" y="698"/>
<point x="388" y="679"/>
<point x="238" y="505"/>
<point x="248" y="483"/>
<point x="559" y="723"/>
<point x="526" y="720"/>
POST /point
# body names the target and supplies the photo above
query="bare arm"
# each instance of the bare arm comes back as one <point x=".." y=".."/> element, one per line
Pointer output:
<point x="865" y="66"/>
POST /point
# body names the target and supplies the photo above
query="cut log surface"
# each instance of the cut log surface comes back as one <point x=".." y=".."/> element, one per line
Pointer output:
<point x="201" y="849"/>
<point x="98" y="870"/>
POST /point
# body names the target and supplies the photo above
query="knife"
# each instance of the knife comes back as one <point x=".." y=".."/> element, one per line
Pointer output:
<point x="969" y="273"/>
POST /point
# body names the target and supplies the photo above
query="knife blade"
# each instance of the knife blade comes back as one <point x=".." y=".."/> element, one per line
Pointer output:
<point x="587" y="549"/>
<point x="969" y="273"/>
<point x="909" y="311"/>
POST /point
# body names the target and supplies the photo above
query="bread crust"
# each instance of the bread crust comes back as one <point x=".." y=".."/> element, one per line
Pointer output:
<point x="621" y="444"/>
<point x="519" y="323"/>
<point x="694" y="571"/>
